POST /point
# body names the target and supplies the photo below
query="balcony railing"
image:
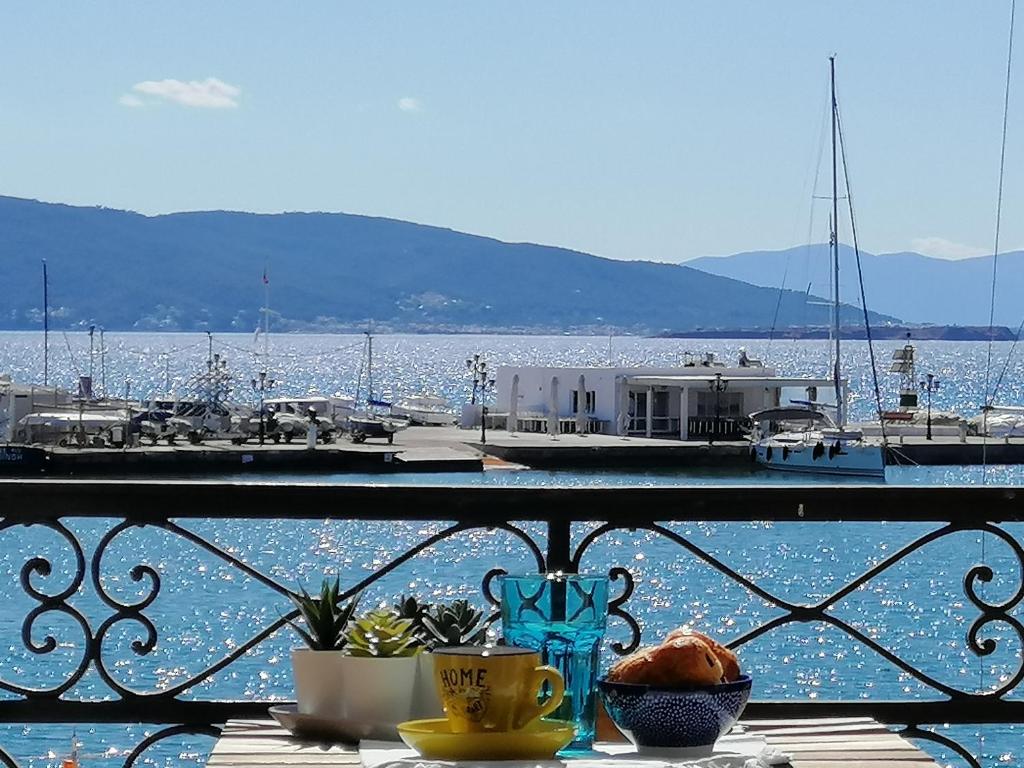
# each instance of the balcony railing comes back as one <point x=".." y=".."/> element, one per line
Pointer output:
<point x="106" y="625"/>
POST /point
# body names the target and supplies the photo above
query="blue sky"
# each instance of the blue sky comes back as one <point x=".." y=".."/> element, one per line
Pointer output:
<point x="657" y="131"/>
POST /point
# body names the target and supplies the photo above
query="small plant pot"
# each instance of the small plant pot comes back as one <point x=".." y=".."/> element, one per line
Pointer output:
<point x="426" y="703"/>
<point x="374" y="692"/>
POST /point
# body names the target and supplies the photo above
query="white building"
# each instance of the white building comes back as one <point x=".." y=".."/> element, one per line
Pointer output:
<point x="18" y="400"/>
<point x="696" y="401"/>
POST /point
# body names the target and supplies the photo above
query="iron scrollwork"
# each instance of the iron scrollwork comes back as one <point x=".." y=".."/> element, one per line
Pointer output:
<point x="95" y="642"/>
<point x="37" y="575"/>
<point x="819" y="611"/>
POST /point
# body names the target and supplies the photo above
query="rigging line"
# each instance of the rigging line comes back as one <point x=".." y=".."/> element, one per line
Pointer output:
<point x="986" y="402"/>
<point x="999" y="216"/>
<point x="810" y="223"/>
<point x="74" y="364"/>
<point x="860" y="277"/>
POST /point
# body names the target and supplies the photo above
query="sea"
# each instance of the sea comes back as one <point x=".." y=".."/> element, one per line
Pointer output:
<point x="205" y="608"/>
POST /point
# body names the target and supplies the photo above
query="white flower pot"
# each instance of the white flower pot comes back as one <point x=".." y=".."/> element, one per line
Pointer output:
<point x="426" y="703"/>
<point x="377" y="693"/>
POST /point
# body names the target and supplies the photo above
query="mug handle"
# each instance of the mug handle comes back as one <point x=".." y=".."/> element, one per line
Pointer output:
<point x="538" y="677"/>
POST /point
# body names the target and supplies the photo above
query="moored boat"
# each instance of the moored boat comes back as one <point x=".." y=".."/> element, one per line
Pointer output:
<point x="426" y="410"/>
<point x="823" y="445"/>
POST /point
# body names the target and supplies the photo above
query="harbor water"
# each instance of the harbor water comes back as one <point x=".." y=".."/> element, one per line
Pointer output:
<point x="206" y="608"/>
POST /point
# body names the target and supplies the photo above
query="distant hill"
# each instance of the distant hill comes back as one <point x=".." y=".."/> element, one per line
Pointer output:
<point x="333" y="271"/>
<point x="908" y="285"/>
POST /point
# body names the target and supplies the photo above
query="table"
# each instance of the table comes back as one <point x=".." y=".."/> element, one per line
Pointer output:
<point x="817" y="743"/>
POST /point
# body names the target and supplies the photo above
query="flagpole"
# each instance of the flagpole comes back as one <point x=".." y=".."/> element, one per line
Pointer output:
<point x="266" y="319"/>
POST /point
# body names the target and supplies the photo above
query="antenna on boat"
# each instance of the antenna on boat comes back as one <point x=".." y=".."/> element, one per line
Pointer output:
<point x="46" y="327"/>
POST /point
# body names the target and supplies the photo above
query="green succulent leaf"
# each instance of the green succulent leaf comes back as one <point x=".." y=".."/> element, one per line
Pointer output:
<point x="326" y="619"/>
<point x="384" y="634"/>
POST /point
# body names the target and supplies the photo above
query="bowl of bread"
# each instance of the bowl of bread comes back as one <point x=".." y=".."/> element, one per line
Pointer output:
<point x="679" y="697"/>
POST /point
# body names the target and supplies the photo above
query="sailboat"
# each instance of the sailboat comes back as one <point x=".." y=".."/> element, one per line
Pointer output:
<point x="367" y="422"/>
<point x="807" y="439"/>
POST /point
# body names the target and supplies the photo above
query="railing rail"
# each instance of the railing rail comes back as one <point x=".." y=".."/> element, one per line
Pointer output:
<point x="162" y="504"/>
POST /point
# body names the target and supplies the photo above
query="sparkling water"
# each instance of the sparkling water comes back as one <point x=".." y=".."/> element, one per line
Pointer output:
<point x="917" y="609"/>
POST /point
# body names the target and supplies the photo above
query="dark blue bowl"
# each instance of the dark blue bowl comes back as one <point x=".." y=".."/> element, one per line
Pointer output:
<point x="675" y="718"/>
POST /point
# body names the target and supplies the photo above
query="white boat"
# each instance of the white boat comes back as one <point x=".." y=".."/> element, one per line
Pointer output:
<point x="822" y="445"/>
<point x="999" y="421"/>
<point x="817" y="446"/>
<point x="334" y="408"/>
<point x="428" y="410"/>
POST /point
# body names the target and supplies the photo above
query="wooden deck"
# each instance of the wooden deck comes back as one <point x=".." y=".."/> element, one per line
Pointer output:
<point x="817" y="743"/>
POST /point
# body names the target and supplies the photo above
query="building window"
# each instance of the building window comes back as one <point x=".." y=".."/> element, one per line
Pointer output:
<point x="730" y="405"/>
<point x="591" y="403"/>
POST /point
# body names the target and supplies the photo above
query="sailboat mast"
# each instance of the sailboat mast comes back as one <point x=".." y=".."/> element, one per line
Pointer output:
<point x="369" y="366"/>
<point x="836" y="375"/>
<point x="46" y="327"/>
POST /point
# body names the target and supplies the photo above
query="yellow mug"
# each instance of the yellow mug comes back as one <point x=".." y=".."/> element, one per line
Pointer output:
<point x="493" y="688"/>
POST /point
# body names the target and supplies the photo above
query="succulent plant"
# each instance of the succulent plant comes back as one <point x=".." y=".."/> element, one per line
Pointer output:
<point x="457" y="623"/>
<point x="409" y="607"/>
<point x="326" y="619"/>
<point x="383" y="634"/>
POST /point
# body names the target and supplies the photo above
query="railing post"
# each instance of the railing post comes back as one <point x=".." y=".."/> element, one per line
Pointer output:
<point x="559" y="558"/>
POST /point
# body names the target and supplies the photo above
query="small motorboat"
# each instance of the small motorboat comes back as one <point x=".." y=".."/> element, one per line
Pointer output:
<point x="427" y="410"/>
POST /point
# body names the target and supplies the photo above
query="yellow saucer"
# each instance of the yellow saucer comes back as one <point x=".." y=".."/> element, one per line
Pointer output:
<point x="539" y="740"/>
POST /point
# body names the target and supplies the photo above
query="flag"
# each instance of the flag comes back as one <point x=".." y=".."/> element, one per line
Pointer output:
<point x="266" y="280"/>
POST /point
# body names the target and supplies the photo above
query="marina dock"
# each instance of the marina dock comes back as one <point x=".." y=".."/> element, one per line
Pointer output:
<point x="449" y="449"/>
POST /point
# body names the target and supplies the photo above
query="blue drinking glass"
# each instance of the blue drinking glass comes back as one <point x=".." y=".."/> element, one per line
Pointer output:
<point x="563" y="616"/>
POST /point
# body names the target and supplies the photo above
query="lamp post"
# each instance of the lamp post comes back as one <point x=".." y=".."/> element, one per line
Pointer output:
<point x="127" y="413"/>
<point x="718" y="387"/>
<point x="477" y="367"/>
<point x="929" y="384"/>
<point x="482" y="383"/>
<point x="261" y="386"/>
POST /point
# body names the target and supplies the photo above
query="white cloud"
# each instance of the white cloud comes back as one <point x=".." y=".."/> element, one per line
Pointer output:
<point x="210" y="93"/>
<point x="941" y="248"/>
<point x="410" y="104"/>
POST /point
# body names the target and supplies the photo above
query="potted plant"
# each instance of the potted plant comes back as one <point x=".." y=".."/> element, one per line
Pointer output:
<point x="360" y="670"/>
<point x="437" y="626"/>
<point x="317" y="668"/>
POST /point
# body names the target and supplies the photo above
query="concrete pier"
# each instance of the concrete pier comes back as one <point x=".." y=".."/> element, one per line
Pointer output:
<point x="449" y="449"/>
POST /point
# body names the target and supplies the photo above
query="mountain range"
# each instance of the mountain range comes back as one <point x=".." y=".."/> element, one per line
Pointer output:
<point x="916" y="288"/>
<point x="335" y="271"/>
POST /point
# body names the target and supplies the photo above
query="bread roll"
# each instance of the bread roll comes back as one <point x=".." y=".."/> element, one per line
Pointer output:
<point x="730" y="662"/>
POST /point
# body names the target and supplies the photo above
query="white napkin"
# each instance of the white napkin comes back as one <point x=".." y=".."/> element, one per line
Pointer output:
<point x="732" y="751"/>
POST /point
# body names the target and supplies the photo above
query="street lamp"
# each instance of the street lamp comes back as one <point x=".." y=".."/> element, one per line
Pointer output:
<point x="262" y="385"/>
<point x="718" y="387"/>
<point x="929" y="384"/>
<point x="482" y="382"/>
<point x="477" y="367"/>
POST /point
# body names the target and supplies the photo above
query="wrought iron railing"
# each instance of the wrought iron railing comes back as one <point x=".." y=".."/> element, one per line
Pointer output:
<point x="597" y="512"/>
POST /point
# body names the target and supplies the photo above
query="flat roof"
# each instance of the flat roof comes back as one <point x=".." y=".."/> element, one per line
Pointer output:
<point x="756" y="381"/>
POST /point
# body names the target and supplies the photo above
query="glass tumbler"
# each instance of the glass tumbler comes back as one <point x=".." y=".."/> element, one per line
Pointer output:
<point x="564" y="617"/>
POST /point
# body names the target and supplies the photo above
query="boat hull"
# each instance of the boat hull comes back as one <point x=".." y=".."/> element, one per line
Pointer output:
<point x="423" y="417"/>
<point x="848" y="459"/>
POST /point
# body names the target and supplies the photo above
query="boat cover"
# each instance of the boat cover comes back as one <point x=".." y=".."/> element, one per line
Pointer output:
<point x="787" y="414"/>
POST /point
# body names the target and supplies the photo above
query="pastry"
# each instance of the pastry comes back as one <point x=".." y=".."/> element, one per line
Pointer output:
<point x="687" y="660"/>
<point x="635" y="668"/>
<point x="730" y="662"/>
